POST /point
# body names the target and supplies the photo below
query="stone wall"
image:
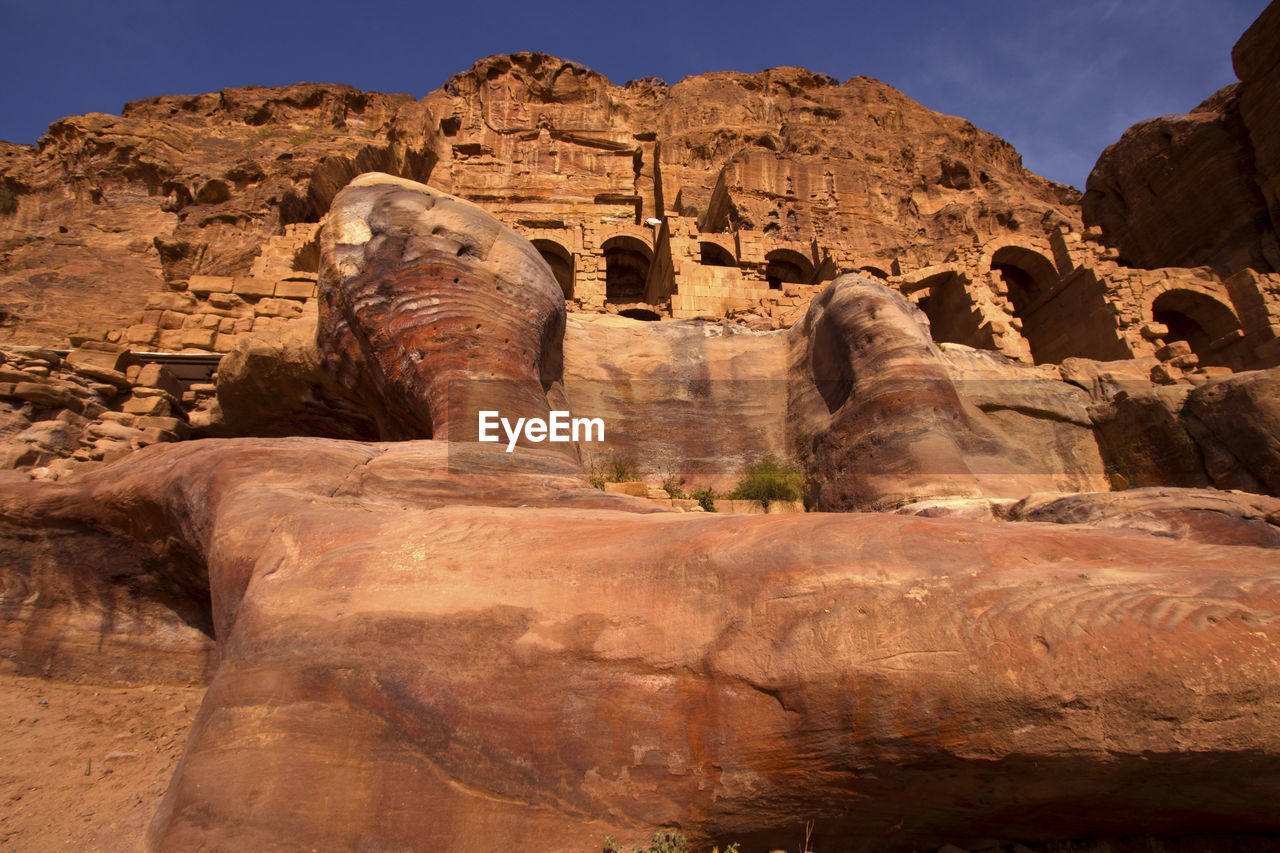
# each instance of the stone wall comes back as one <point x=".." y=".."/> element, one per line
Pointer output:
<point x="212" y="314"/>
<point x="1033" y="299"/>
<point x="59" y="413"/>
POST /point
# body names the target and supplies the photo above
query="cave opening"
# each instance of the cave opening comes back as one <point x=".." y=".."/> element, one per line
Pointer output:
<point x="785" y="265"/>
<point x="627" y="262"/>
<point x="561" y="262"/>
<point x="640" y="314"/>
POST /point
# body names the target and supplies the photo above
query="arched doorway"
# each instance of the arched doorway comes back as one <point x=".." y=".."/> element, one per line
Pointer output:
<point x="561" y="262"/>
<point x="1029" y="277"/>
<point x="715" y="255"/>
<point x="627" y="261"/>
<point x="785" y="265"/>
<point x="1196" y="318"/>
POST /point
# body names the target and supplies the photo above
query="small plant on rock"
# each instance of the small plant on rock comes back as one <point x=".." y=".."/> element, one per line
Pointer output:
<point x="706" y="498"/>
<point x="770" y="480"/>
<point x="674" y="487"/>
<point x="615" y="469"/>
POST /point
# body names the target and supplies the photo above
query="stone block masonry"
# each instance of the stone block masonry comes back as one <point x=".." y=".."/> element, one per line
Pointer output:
<point x="65" y="414"/>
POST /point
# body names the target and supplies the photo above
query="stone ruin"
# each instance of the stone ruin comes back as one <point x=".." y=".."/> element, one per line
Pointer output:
<point x="600" y="665"/>
<point x="1037" y="600"/>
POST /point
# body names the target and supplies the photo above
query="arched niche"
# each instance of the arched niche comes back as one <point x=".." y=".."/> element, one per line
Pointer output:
<point x="1028" y="275"/>
<point x="1194" y="317"/>
<point x="714" y="255"/>
<point x="953" y="317"/>
<point x="787" y="265"/>
<point x="627" y="260"/>
<point x="1030" y="278"/>
<point x="560" y="260"/>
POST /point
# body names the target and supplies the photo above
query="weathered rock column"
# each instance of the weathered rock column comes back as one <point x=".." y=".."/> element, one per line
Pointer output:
<point x="877" y="417"/>
<point x="423" y="295"/>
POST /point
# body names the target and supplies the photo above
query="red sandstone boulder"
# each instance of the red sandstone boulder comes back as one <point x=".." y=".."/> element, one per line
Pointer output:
<point x="879" y="420"/>
<point x="1200" y="515"/>
<point x="402" y="666"/>
<point x="275" y="384"/>
<point x="434" y="311"/>
<point x="1236" y="423"/>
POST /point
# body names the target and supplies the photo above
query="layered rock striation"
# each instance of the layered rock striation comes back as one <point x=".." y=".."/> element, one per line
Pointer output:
<point x="106" y="209"/>
<point x="437" y="643"/>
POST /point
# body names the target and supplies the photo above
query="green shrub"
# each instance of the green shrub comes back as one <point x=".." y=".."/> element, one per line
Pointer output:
<point x="769" y="480"/>
<point x="673" y="487"/>
<point x="706" y="498"/>
<point x="615" y="469"/>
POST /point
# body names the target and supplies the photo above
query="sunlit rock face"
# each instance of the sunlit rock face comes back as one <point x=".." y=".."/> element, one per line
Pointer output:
<point x="422" y="293"/>
<point x="415" y="653"/>
<point x="1202" y="188"/>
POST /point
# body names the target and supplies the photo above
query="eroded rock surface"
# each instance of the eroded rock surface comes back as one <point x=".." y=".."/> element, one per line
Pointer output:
<point x="1201" y="189"/>
<point x="548" y="676"/>
<point x="795" y="153"/>
<point x="425" y="296"/>
<point x="442" y="645"/>
<point x="1199" y="515"/>
<point x="107" y="209"/>
<point x="879" y="418"/>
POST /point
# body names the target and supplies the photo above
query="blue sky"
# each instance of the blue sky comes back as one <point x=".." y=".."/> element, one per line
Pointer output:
<point x="1060" y="80"/>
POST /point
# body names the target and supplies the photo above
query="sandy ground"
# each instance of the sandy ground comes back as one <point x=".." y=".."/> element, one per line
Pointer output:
<point x="83" y="767"/>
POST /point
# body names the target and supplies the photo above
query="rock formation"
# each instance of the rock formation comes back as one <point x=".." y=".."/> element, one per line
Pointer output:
<point x="1038" y="601"/>
<point x="1201" y="189"/>
<point x="785" y="152"/>
<point x="409" y="277"/>
<point x="439" y="644"/>
<point x="108" y="208"/>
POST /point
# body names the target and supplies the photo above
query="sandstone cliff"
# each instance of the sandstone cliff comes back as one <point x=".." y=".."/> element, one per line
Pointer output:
<point x="1202" y="188"/>
<point x="107" y="208"/>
